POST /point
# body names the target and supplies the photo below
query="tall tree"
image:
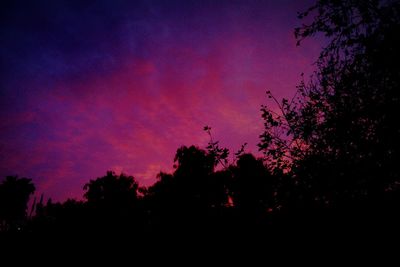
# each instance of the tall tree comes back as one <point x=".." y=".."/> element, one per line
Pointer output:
<point x="340" y="135"/>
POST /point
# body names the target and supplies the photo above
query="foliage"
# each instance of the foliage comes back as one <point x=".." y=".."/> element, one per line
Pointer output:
<point x="339" y="135"/>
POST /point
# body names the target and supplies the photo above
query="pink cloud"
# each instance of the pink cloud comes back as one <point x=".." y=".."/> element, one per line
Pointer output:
<point x="134" y="118"/>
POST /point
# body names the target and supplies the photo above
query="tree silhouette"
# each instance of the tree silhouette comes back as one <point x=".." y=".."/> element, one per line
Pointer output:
<point x="112" y="189"/>
<point x="339" y="135"/>
<point x="192" y="192"/>
<point x="252" y="186"/>
<point x="113" y="201"/>
<point x="14" y="197"/>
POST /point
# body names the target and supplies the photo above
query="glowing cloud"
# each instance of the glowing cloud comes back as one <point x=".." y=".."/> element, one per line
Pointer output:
<point x="87" y="90"/>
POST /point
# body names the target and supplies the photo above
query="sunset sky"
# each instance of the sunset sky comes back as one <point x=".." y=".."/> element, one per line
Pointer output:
<point x="90" y="86"/>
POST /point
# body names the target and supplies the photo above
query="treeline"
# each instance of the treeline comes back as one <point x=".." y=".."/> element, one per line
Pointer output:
<point x="331" y="153"/>
<point x="194" y="194"/>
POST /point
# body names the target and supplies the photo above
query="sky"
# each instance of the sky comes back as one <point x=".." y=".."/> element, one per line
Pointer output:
<point x="89" y="86"/>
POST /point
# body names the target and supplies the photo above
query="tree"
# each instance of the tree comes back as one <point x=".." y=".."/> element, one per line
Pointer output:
<point x="339" y="135"/>
<point x="192" y="196"/>
<point x="14" y="197"/>
<point x="252" y="186"/>
<point x="111" y="188"/>
<point x="112" y="195"/>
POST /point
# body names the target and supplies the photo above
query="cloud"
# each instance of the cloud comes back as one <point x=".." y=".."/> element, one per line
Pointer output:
<point x="122" y="90"/>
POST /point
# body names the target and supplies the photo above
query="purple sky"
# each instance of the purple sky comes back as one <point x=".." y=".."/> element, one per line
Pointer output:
<point x="91" y="86"/>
